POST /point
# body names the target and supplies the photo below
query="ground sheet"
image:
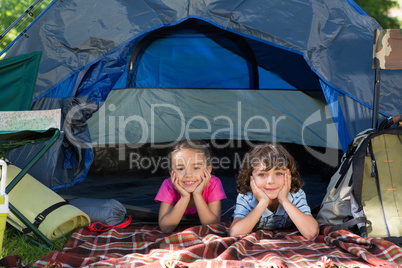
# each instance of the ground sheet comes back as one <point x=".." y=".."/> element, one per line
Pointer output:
<point x="211" y="246"/>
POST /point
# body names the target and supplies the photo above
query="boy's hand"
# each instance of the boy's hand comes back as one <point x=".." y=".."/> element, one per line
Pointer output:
<point x="257" y="192"/>
<point x="206" y="176"/>
<point x="177" y="186"/>
<point x="283" y="193"/>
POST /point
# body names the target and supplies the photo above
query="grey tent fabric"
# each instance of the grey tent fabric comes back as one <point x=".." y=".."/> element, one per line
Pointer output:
<point x="311" y="45"/>
<point x="332" y="36"/>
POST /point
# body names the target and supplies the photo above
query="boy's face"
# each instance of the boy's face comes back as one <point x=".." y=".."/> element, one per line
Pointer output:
<point x="189" y="165"/>
<point x="270" y="181"/>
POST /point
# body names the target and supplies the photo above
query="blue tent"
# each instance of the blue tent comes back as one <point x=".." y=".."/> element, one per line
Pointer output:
<point x="258" y="70"/>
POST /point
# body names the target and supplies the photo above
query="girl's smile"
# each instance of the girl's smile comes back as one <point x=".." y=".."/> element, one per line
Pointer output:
<point x="189" y="183"/>
<point x="188" y="165"/>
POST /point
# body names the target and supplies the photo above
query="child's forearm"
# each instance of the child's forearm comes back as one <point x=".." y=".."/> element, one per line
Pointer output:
<point x="205" y="214"/>
<point x="306" y="224"/>
<point x="170" y="219"/>
<point x="246" y="224"/>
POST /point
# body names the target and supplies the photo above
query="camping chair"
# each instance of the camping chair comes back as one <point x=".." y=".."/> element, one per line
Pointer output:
<point x="387" y="55"/>
<point x="17" y="83"/>
<point x="16" y="131"/>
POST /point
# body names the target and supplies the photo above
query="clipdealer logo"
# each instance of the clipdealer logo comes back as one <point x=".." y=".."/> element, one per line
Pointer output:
<point x="329" y="157"/>
<point x="234" y="129"/>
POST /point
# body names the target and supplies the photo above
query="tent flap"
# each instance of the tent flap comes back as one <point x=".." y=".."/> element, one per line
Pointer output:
<point x="17" y="81"/>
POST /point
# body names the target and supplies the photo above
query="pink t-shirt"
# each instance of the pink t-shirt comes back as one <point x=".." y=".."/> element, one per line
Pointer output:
<point x="213" y="192"/>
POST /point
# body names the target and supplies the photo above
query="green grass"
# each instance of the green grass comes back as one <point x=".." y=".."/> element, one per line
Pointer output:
<point x="29" y="249"/>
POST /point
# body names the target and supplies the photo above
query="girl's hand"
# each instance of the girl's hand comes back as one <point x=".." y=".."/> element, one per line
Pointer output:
<point x="205" y="177"/>
<point x="283" y="193"/>
<point x="177" y="186"/>
<point x="257" y="192"/>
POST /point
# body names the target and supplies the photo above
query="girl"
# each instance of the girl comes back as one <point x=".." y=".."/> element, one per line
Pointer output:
<point x="191" y="189"/>
<point x="270" y="194"/>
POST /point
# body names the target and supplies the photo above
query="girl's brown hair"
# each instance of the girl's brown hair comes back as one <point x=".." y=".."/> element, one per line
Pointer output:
<point x="273" y="155"/>
<point x="198" y="145"/>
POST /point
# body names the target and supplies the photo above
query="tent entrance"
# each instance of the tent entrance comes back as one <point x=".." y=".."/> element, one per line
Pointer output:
<point x="136" y="185"/>
<point x="135" y="128"/>
<point x="196" y="54"/>
<point x="135" y="182"/>
<point x="192" y="57"/>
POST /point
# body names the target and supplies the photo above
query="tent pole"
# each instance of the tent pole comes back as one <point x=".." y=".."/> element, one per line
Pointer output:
<point x="28" y="11"/>
<point x="376" y="97"/>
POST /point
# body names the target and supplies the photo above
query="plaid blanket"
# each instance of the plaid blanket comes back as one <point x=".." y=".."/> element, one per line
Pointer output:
<point x="210" y="246"/>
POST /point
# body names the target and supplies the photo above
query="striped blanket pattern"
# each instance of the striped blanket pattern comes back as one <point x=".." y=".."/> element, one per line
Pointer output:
<point x="211" y="246"/>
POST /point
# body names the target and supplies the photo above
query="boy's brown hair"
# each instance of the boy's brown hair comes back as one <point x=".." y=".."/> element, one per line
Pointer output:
<point x="272" y="155"/>
<point x="198" y="145"/>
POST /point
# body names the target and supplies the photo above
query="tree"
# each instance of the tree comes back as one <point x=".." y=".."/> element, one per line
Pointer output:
<point x="378" y="9"/>
<point x="11" y="10"/>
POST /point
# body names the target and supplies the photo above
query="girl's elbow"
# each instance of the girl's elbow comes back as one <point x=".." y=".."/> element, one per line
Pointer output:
<point x="163" y="229"/>
<point x="217" y="219"/>
<point x="166" y="229"/>
<point x="211" y="220"/>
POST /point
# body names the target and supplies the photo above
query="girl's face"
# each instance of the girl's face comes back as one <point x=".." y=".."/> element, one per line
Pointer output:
<point x="189" y="165"/>
<point x="270" y="181"/>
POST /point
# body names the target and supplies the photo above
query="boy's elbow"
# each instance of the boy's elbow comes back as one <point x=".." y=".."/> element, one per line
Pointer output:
<point x="312" y="235"/>
<point x="234" y="232"/>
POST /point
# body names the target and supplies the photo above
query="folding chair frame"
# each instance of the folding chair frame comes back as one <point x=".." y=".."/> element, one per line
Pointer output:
<point x="11" y="140"/>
